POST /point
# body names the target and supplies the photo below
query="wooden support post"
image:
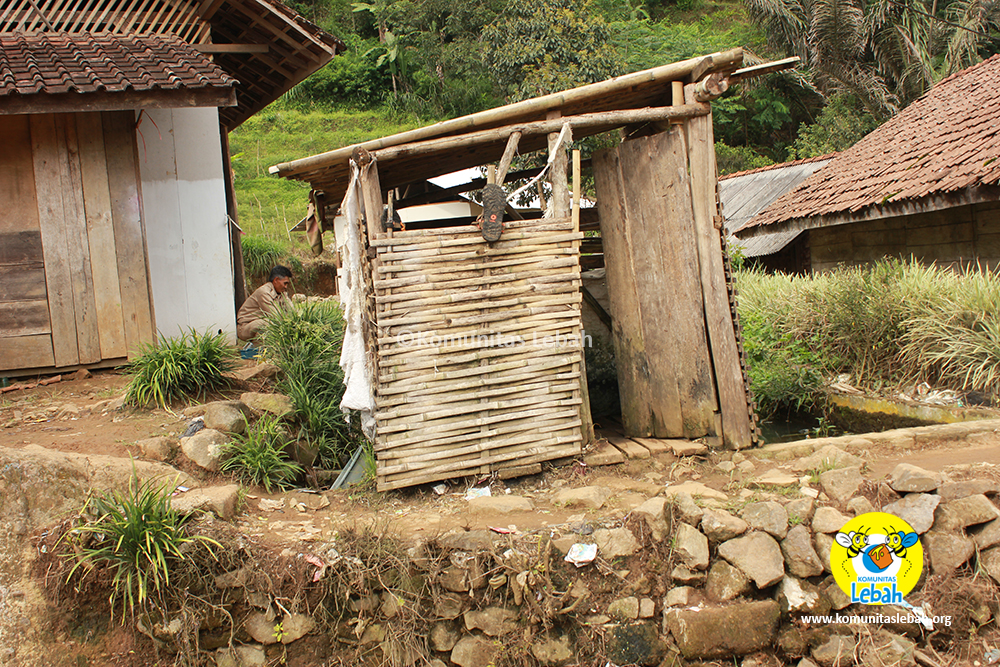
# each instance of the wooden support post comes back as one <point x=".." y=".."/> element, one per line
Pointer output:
<point x="736" y="427"/>
<point x="371" y="192"/>
<point x="586" y="417"/>
<point x="508" y="155"/>
<point x="235" y="242"/>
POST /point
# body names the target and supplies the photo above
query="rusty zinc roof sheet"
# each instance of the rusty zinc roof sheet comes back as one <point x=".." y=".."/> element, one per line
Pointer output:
<point x="945" y="142"/>
<point x="53" y="63"/>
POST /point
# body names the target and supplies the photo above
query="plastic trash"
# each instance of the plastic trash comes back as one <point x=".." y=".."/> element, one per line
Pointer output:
<point x="581" y="554"/>
<point x="480" y="492"/>
<point x="193" y="427"/>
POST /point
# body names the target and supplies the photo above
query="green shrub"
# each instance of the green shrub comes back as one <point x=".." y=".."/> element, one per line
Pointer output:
<point x="137" y="536"/>
<point x="260" y="255"/>
<point x="258" y="456"/>
<point x="305" y="342"/>
<point x="190" y="365"/>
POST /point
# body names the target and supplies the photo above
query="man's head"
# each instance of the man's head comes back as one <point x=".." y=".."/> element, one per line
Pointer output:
<point x="281" y="278"/>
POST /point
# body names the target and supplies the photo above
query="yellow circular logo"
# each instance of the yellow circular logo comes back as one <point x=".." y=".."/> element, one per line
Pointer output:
<point x="876" y="558"/>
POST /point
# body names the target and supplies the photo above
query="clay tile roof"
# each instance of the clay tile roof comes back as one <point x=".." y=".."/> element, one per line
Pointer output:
<point x="52" y="63"/>
<point x="945" y="142"/>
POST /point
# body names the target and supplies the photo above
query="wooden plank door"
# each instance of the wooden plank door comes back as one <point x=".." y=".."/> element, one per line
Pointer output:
<point x="25" y="329"/>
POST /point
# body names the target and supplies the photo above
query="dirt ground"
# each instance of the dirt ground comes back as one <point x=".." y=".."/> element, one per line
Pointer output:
<point x="77" y="415"/>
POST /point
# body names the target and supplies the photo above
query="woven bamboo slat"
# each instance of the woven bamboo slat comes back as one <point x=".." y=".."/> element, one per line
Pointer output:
<point x="477" y="364"/>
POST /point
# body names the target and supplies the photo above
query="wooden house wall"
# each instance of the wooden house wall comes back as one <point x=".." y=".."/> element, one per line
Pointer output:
<point x="73" y="279"/>
<point x="187" y="224"/>
<point x="478" y="352"/>
<point x="950" y="237"/>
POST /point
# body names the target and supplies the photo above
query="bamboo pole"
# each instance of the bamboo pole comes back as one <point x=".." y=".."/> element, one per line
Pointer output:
<point x="508" y="155"/>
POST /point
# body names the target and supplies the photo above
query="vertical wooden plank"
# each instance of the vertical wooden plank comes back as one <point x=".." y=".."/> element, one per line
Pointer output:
<point x="586" y="418"/>
<point x="47" y="158"/>
<point x="78" y="244"/>
<point x="101" y="236"/>
<point x="126" y="217"/>
<point x="17" y="177"/>
<point x="640" y="399"/>
<point x="718" y="314"/>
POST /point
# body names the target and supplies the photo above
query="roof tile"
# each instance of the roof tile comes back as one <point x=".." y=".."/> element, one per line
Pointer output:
<point x="53" y="63"/>
<point x="946" y="141"/>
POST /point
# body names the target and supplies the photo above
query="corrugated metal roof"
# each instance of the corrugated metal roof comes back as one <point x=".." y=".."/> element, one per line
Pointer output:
<point x="52" y="63"/>
<point x="942" y="144"/>
<point x="764" y="244"/>
<point x="746" y="194"/>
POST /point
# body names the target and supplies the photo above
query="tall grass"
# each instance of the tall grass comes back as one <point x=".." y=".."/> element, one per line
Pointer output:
<point x="305" y="342"/>
<point x="258" y="456"/>
<point x="886" y="324"/>
<point x="189" y="365"/>
<point x="137" y="536"/>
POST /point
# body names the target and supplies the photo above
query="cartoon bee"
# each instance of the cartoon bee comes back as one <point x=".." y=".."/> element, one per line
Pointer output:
<point x="899" y="541"/>
<point x="854" y="542"/>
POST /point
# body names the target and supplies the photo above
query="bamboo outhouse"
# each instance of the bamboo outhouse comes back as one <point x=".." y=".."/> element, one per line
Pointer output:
<point x="469" y="354"/>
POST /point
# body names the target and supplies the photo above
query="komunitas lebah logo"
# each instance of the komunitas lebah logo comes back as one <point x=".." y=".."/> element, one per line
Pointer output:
<point x="876" y="558"/>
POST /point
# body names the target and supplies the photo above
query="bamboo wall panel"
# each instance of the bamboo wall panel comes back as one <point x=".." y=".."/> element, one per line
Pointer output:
<point x="479" y="352"/>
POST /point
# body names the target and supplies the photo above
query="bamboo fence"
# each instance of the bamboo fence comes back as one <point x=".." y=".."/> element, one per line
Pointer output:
<point x="478" y="351"/>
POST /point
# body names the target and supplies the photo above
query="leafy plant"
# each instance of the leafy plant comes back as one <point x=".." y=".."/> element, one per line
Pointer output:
<point x="258" y="456"/>
<point x="135" y="534"/>
<point x="190" y="365"/>
<point x="261" y="254"/>
<point x="305" y="341"/>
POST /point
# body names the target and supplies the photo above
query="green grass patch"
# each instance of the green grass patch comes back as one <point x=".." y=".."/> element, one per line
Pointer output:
<point x="258" y="456"/>
<point x="190" y="365"/>
<point x="137" y="536"/>
<point x="305" y="342"/>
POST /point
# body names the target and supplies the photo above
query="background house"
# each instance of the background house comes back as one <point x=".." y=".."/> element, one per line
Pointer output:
<point x="116" y="205"/>
<point x="924" y="184"/>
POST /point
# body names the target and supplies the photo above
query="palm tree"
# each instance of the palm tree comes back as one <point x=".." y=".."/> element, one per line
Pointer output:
<point x="886" y="52"/>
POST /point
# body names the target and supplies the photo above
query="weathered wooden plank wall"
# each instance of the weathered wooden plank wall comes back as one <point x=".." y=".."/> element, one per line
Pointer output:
<point x="478" y="368"/>
<point x="60" y="274"/>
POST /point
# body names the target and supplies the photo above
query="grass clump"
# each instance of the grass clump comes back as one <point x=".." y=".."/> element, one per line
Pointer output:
<point x="135" y="535"/>
<point x="190" y="365"/>
<point x="305" y="342"/>
<point x="886" y="325"/>
<point x="258" y="456"/>
<point x="261" y="254"/>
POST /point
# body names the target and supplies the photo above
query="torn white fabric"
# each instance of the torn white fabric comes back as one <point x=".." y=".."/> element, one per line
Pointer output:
<point x="359" y="394"/>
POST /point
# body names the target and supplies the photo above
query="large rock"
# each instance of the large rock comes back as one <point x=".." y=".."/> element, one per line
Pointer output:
<point x="908" y="478"/>
<point x="828" y="520"/>
<point x="691" y="546"/>
<point x="614" y="542"/>
<point x="990" y="560"/>
<point x="916" y="509"/>
<point x="719" y="525"/>
<point x="859" y="505"/>
<point x="223" y="501"/>
<point x="295" y="627"/>
<point x="972" y="487"/>
<point x="472" y="651"/>
<point x="687" y="510"/>
<point x="278" y="405"/>
<point x="964" y="512"/>
<point x="696" y="489"/>
<point x="716" y="633"/>
<point x="947" y="551"/>
<point x="159" y="448"/>
<point x="986" y="535"/>
<point x="653" y="511"/>
<point x="724" y="583"/>
<point x="443" y="636"/>
<point x="244" y="655"/>
<point x="842" y="483"/>
<point x="837" y="651"/>
<point x="824" y="544"/>
<point x="800" y="510"/>
<point x="262" y="630"/>
<point x="768" y="516"/>
<point x="553" y="651"/>
<point x="593" y="497"/>
<point x="887" y="648"/>
<point x="624" y="609"/>
<point x="493" y="621"/>
<point x="204" y="448"/>
<point x="636" y="644"/>
<point x="796" y="596"/>
<point x="226" y="416"/>
<point x="501" y="504"/>
<point x="758" y="556"/>
<point x="800" y="557"/>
